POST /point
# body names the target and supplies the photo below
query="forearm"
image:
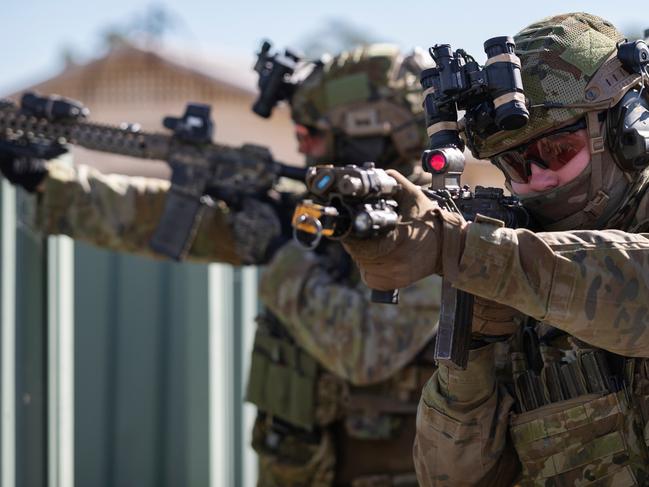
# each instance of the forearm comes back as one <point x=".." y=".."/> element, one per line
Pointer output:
<point x="121" y="213"/>
<point x="591" y="284"/>
<point x="336" y="322"/>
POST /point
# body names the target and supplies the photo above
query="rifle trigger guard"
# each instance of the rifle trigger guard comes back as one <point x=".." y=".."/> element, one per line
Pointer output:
<point x="318" y="231"/>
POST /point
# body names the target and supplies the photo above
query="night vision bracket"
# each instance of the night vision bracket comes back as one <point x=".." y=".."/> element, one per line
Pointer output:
<point x="275" y="84"/>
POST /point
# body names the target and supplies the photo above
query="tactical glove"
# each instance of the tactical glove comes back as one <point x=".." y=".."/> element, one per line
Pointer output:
<point x="23" y="171"/>
<point x="24" y="165"/>
<point x="413" y="250"/>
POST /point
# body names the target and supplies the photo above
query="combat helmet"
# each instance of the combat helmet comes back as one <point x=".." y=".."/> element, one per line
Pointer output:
<point x="368" y="103"/>
<point x="570" y="71"/>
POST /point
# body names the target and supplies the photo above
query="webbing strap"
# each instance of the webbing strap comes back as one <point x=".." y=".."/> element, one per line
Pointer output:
<point x="596" y="141"/>
<point x="598" y="197"/>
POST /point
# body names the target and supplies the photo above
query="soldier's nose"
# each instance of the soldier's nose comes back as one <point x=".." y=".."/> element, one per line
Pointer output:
<point x="542" y="179"/>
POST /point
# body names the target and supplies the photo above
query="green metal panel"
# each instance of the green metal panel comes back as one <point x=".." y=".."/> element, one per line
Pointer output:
<point x="142" y="378"/>
<point x="95" y="312"/>
<point x="195" y="327"/>
<point x="31" y="352"/>
<point x="141" y="331"/>
<point x="152" y="405"/>
<point x="24" y="345"/>
<point x="238" y="390"/>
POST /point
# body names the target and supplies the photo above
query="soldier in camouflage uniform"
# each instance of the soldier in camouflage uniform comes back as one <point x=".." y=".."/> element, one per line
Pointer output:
<point x="336" y="378"/>
<point x="556" y="392"/>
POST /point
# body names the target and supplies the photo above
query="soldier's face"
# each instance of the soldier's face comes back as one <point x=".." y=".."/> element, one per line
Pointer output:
<point x="555" y="175"/>
<point x="312" y="145"/>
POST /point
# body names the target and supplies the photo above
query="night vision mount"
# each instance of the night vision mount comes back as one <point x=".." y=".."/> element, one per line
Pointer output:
<point x="491" y="95"/>
<point x="275" y="84"/>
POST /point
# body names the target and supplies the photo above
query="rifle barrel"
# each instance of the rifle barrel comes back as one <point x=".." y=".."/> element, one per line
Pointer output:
<point x="90" y="135"/>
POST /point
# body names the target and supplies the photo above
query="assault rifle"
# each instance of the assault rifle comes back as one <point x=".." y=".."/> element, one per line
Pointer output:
<point x="40" y="126"/>
<point x="358" y="201"/>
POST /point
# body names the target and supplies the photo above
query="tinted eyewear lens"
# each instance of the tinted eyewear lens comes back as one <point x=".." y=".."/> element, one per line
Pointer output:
<point x="551" y="151"/>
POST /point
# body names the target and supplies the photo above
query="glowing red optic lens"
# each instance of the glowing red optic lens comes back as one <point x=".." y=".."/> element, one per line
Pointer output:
<point x="437" y="162"/>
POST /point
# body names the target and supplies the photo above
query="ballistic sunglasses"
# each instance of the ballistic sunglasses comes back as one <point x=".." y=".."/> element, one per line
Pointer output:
<point x="551" y="151"/>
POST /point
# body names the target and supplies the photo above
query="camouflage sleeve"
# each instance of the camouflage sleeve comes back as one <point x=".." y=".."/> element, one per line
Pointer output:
<point x="462" y="423"/>
<point x="591" y="284"/>
<point x="121" y="213"/>
<point x="336" y="322"/>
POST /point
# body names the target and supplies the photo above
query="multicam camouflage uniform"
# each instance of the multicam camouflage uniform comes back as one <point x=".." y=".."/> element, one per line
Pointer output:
<point x="570" y="413"/>
<point x="336" y="377"/>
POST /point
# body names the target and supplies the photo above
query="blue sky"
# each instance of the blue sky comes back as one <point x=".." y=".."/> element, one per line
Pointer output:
<point x="35" y="32"/>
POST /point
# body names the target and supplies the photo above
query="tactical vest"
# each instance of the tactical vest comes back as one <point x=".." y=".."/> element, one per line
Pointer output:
<point x="583" y="413"/>
<point x="315" y="429"/>
<point x="579" y="421"/>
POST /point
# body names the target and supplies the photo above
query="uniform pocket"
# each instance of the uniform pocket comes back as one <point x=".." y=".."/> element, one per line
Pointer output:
<point x="257" y="380"/>
<point x="447" y="451"/>
<point x="301" y="403"/>
<point x="590" y="440"/>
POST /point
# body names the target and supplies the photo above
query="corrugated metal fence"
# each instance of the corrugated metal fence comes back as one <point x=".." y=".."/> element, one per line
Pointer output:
<point x="118" y="370"/>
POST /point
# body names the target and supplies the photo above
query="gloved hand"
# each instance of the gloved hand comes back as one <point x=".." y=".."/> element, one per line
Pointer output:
<point x="25" y="166"/>
<point x="411" y="251"/>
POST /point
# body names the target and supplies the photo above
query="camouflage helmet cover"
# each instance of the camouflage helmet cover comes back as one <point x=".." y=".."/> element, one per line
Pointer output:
<point x="567" y="60"/>
<point x="371" y="90"/>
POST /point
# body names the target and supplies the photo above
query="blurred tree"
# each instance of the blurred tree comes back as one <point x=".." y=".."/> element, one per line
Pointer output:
<point x="155" y="23"/>
<point x="69" y="56"/>
<point x="636" y="31"/>
<point x="335" y="35"/>
<point x="114" y="36"/>
<point x="148" y="28"/>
